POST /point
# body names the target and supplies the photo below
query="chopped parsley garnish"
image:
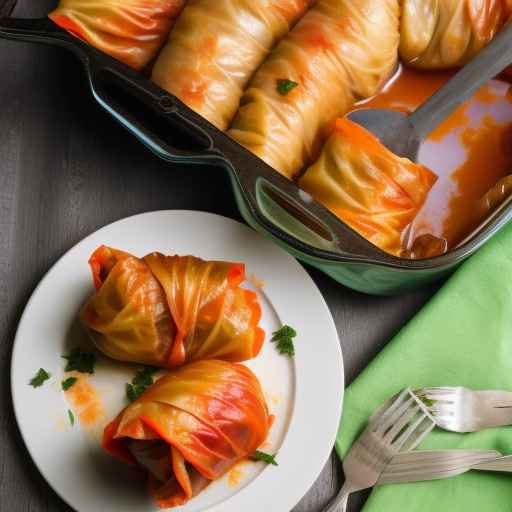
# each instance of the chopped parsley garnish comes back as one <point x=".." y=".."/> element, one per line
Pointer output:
<point x="67" y="383"/>
<point x="284" y="86"/>
<point x="71" y="417"/>
<point x="143" y="380"/>
<point x="264" y="457"/>
<point x="40" y="377"/>
<point x="427" y="401"/>
<point x="283" y="338"/>
<point x="82" y="362"/>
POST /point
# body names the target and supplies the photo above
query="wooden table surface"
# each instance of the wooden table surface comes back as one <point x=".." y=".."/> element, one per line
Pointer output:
<point x="66" y="169"/>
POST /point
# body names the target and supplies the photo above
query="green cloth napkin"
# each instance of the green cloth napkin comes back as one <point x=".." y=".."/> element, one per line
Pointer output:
<point x="463" y="337"/>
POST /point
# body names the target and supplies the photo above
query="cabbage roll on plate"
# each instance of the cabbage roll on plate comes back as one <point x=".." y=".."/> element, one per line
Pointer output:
<point x="373" y="190"/>
<point x="167" y="310"/>
<point x="191" y="427"/>
<point x="215" y="48"/>
<point x="131" y="31"/>
<point x="440" y="34"/>
<point x="339" y="52"/>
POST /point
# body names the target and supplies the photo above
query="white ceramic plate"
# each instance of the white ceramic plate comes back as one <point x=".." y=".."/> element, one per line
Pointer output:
<point x="305" y="393"/>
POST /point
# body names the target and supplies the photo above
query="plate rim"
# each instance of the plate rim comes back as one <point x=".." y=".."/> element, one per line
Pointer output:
<point x="307" y="480"/>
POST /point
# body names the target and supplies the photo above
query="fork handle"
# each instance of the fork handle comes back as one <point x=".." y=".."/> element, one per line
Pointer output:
<point x="503" y="464"/>
<point x="340" y="500"/>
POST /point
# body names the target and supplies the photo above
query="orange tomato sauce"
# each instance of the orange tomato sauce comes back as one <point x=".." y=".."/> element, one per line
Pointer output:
<point x="236" y="475"/>
<point x="84" y="400"/>
<point x="481" y="130"/>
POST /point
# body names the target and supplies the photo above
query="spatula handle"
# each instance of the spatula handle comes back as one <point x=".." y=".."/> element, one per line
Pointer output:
<point x="489" y="62"/>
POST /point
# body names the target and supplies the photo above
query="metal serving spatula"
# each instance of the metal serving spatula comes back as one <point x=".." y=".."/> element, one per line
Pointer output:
<point x="403" y="134"/>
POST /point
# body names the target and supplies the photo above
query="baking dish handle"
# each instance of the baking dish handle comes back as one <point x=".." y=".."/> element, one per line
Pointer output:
<point x="291" y="215"/>
<point x="276" y="204"/>
<point x="175" y="133"/>
<point x="38" y="30"/>
<point x="150" y="114"/>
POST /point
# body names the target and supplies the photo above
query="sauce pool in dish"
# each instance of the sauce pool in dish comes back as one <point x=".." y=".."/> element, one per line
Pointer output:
<point x="468" y="151"/>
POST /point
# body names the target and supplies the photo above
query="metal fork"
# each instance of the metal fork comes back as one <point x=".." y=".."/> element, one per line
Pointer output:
<point x="501" y="464"/>
<point x="401" y="426"/>
<point x="425" y="465"/>
<point x="460" y="409"/>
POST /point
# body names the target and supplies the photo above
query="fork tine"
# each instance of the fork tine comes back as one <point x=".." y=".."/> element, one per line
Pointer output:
<point x="386" y="423"/>
<point x="436" y="394"/>
<point x="441" y="409"/>
<point x="398" y="442"/>
<point x="388" y="408"/>
<point x="440" y="399"/>
<point x="437" y="390"/>
<point x="402" y="422"/>
<point x="423" y="429"/>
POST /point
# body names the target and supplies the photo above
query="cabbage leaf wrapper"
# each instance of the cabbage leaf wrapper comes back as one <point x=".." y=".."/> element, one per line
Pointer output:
<point x="191" y="427"/>
<point x="339" y="52"/>
<point x="215" y="48"/>
<point x="167" y="310"/>
<point x="442" y="34"/>
<point x="131" y="31"/>
<point x="374" y="191"/>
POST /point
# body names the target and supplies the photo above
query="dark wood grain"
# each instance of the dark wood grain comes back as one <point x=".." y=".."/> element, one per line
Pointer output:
<point x="66" y="169"/>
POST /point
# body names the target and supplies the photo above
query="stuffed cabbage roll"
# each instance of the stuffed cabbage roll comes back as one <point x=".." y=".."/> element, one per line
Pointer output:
<point x="215" y="48"/>
<point x="131" y="31"/>
<point x="167" y="310"/>
<point x="190" y="428"/>
<point x="340" y="51"/>
<point x="373" y="190"/>
<point x="440" y="34"/>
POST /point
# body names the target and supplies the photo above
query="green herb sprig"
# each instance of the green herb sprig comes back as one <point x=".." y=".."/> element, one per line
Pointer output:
<point x="267" y="458"/>
<point x="67" y="383"/>
<point x="82" y="362"/>
<point x="143" y="380"/>
<point x="39" y="378"/>
<point x="71" y="417"/>
<point x="284" y="86"/>
<point x="283" y="338"/>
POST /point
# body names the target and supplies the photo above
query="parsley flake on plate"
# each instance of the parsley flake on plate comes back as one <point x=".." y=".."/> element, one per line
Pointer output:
<point x="40" y="377"/>
<point x="71" y="417"/>
<point x="284" y="86"/>
<point x="67" y="383"/>
<point x="264" y="457"/>
<point x="82" y="362"/>
<point x="283" y="338"/>
<point x="143" y="380"/>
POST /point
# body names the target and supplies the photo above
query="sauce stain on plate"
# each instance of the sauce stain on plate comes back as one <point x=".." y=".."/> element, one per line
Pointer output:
<point x="85" y="400"/>
<point x="276" y="399"/>
<point x="236" y="475"/>
<point x="257" y="282"/>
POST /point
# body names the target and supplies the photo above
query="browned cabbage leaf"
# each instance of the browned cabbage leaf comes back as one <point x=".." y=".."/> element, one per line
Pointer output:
<point x="439" y="34"/>
<point x="374" y="191"/>
<point x="216" y="46"/>
<point x="131" y="31"/>
<point x="338" y="52"/>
